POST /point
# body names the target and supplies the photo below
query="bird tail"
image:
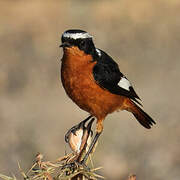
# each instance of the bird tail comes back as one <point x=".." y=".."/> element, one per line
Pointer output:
<point x="142" y="117"/>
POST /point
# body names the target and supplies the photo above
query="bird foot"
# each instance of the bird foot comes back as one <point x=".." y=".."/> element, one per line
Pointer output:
<point x="71" y="167"/>
<point x="75" y="166"/>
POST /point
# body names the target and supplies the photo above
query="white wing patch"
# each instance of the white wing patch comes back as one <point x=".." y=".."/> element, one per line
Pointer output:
<point x="124" y="83"/>
<point x="77" y="35"/>
<point x="99" y="52"/>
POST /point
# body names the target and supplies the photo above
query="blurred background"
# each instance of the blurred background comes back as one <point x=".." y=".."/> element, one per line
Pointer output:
<point x="142" y="36"/>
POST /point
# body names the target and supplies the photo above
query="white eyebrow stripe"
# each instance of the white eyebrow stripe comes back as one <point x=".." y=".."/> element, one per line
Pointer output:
<point x="76" y="35"/>
<point x="124" y="83"/>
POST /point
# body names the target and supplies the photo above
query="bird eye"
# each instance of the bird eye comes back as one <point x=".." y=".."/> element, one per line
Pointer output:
<point x="82" y="43"/>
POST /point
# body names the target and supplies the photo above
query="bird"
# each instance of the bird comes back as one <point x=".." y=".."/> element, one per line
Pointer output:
<point x="93" y="80"/>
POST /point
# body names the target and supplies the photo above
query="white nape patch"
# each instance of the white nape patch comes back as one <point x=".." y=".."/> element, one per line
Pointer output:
<point x="77" y="35"/>
<point x="124" y="83"/>
<point x="99" y="52"/>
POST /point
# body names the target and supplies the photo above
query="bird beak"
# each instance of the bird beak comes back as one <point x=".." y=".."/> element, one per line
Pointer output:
<point x="65" y="44"/>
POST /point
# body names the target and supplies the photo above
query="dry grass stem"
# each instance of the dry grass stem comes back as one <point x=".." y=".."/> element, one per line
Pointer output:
<point x="60" y="169"/>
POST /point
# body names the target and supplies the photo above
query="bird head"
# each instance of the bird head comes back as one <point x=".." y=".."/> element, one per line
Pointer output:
<point x="78" y="39"/>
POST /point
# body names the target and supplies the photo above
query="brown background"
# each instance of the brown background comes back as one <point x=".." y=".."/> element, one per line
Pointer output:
<point x="142" y="36"/>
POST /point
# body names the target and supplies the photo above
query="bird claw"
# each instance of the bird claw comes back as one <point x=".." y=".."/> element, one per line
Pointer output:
<point x="73" y="166"/>
<point x="84" y="166"/>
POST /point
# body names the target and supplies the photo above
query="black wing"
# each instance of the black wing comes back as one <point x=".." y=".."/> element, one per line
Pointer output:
<point x="107" y="74"/>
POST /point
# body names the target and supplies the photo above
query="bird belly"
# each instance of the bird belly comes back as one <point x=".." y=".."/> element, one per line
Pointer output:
<point x="81" y="87"/>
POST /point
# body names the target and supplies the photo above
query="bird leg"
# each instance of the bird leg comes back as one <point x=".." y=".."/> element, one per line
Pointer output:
<point x="91" y="147"/>
<point x="99" y="129"/>
<point x="86" y="139"/>
<point x="74" y="128"/>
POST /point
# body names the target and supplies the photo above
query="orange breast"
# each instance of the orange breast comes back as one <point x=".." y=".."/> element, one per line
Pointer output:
<point x="79" y="84"/>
